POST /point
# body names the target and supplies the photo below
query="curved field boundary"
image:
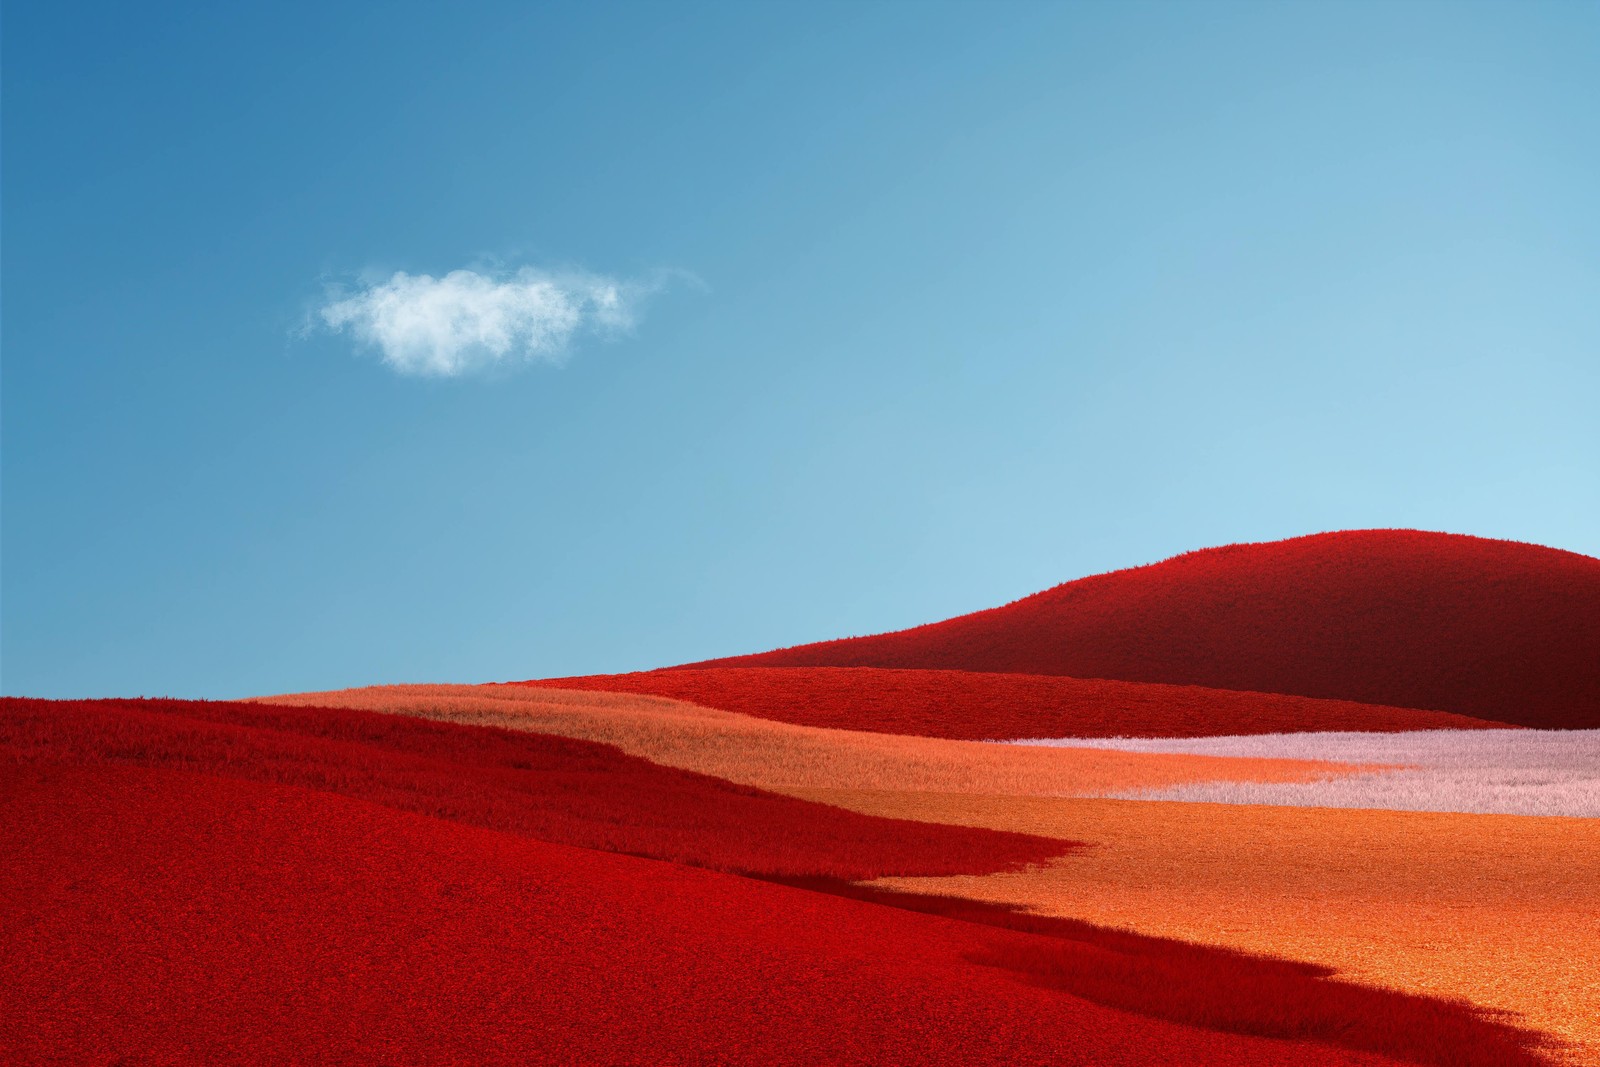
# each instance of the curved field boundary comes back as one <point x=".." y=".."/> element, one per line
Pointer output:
<point x="1495" y="909"/>
<point x="784" y="757"/>
<point x="977" y="706"/>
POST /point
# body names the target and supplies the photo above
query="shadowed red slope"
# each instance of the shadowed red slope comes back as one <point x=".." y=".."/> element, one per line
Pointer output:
<point x="1492" y="629"/>
<point x="552" y="788"/>
<point x="977" y="707"/>
<point x="169" y="899"/>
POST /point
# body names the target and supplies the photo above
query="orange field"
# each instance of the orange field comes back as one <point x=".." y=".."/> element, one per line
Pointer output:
<point x="1496" y="909"/>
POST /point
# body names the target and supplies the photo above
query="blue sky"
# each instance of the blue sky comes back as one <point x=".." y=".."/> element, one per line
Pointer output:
<point x="922" y="308"/>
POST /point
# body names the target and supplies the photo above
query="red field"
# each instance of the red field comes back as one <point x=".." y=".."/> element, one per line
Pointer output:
<point x="978" y="706"/>
<point x="169" y="917"/>
<point x="236" y="883"/>
<point x="1496" y="630"/>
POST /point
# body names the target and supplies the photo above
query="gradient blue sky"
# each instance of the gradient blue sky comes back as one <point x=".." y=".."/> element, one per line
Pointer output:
<point x="990" y="297"/>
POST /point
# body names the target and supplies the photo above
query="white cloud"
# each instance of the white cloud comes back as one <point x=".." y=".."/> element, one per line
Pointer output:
<point x="467" y="321"/>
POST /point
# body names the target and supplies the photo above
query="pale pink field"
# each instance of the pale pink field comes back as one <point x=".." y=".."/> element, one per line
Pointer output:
<point x="1510" y="772"/>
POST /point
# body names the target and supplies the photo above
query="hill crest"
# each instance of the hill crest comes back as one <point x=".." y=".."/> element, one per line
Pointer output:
<point x="1498" y="630"/>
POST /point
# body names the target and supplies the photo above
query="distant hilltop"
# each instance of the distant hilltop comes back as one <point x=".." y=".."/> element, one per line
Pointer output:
<point x="1494" y="630"/>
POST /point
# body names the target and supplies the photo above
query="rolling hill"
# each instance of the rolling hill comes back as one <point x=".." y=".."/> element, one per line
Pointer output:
<point x="1494" y="630"/>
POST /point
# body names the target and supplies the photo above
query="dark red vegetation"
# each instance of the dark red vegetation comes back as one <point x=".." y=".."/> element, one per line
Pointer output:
<point x="227" y="883"/>
<point x="975" y="706"/>
<point x="1496" y="630"/>
<point x="551" y="788"/>
<point x="1120" y="969"/>
<point x="158" y="917"/>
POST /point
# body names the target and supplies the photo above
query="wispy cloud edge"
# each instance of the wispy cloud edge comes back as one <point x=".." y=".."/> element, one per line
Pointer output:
<point x="467" y="322"/>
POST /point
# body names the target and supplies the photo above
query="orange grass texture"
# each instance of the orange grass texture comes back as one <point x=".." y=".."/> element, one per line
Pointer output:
<point x="1500" y="910"/>
<point x="783" y="757"/>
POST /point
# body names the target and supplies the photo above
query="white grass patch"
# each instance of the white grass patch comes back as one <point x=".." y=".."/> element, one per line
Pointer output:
<point x="1511" y="772"/>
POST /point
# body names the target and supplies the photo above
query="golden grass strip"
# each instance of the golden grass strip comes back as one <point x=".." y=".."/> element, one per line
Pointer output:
<point x="784" y="757"/>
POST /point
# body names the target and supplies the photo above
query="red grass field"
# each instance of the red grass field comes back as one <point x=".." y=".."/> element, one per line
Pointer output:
<point x="241" y="883"/>
<point x="977" y="706"/>
<point x="1495" y="630"/>
<point x="178" y="918"/>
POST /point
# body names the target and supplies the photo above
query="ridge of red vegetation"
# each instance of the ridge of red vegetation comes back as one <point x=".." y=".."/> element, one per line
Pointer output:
<point x="552" y="788"/>
<point x="1497" y="630"/>
<point x="1125" y="964"/>
<point x="973" y="706"/>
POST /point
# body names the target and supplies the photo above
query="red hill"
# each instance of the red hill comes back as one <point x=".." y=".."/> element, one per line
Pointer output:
<point x="1496" y="630"/>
